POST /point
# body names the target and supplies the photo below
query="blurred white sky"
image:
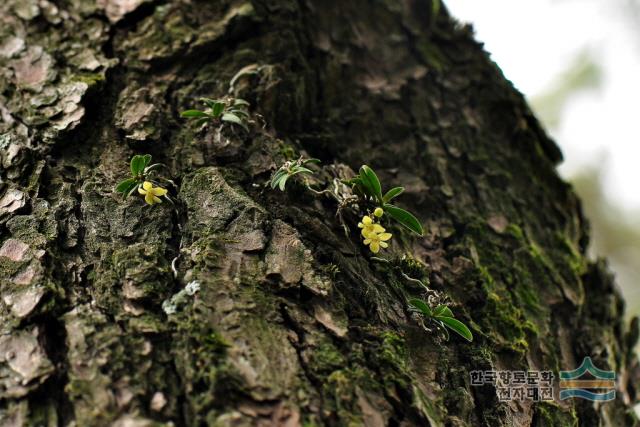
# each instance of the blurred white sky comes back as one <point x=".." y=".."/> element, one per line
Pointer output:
<point x="533" y="41"/>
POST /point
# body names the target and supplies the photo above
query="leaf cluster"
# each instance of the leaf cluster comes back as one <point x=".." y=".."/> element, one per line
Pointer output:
<point x="141" y="171"/>
<point x="442" y="316"/>
<point x="289" y="169"/>
<point x="222" y="111"/>
<point x="367" y="185"/>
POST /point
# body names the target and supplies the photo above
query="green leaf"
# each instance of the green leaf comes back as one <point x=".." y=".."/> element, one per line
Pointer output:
<point x="232" y="118"/>
<point x="456" y="326"/>
<point x="276" y="177"/>
<point x="392" y="194"/>
<point x="371" y="182"/>
<point x="217" y="109"/>
<point x="274" y="183"/>
<point x="421" y="305"/>
<point x="238" y="112"/>
<point x="147" y="160"/>
<point x="283" y="182"/>
<point x="202" y="121"/>
<point x="193" y="113"/>
<point x="301" y="169"/>
<point x="137" y="165"/>
<point x="403" y="217"/>
<point x="443" y="310"/>
<point x="126" y="185"/>
<point x="209" y="102"/>
<point x="239" y="101"/>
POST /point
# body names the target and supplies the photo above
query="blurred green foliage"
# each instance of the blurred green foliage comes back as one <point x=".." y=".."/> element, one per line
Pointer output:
<point x="615" y="231"/>
<point x="615" y="234"/>
<point x="582" y="74"/>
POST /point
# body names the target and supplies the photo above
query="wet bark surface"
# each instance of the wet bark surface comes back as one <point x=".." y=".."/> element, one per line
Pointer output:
<point x="293" y="323"/>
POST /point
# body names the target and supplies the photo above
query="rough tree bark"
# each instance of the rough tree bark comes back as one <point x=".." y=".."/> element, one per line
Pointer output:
<point x="293" y="324"/>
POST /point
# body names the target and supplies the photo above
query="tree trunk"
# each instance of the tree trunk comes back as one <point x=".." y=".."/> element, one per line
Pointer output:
<point x="294" y="323"/>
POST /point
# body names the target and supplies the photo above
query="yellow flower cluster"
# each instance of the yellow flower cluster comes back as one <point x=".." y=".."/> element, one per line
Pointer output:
<point x="374" y="234"/>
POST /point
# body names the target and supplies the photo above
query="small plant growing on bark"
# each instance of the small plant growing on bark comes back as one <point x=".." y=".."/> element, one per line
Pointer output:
<point x="367" y="193"/>
<point x="143" y="181"/>
<point x="289" y="169"/>
<point x="367" y="187"/>
<point x="442" y="317"/>
<point x="228" y="110"/>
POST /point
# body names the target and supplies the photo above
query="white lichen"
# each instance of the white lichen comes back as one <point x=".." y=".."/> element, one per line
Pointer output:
<point x="171" y="305"/>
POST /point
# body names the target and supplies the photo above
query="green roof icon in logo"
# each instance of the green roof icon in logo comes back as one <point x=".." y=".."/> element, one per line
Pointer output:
<point x="572" y="386"/>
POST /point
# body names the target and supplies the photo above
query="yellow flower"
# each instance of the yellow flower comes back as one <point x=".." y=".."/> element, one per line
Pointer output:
<point x="151" y="194"/>
<point x="369" y="227"/>
<point x="378" y="212"/>
<point x="377" y="241"/>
